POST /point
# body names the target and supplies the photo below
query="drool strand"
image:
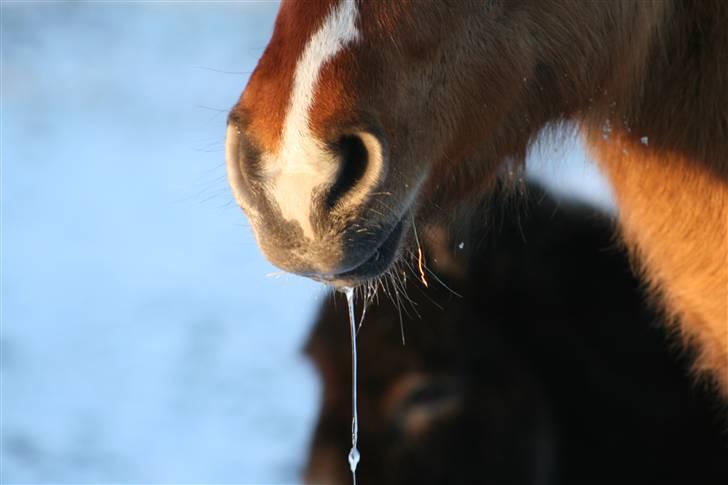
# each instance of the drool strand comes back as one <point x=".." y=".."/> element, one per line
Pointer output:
<point x="354" y="453"/>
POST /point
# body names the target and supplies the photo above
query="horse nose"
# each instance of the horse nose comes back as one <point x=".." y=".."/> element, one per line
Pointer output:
<point x="317" y="186"/>
<point x="313" y="185"/>
<point x="309" y="202"/>
<point x="353" y="161"/>
<point x="361" y="168"/>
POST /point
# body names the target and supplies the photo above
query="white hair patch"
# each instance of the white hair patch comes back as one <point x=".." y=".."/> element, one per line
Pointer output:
<point x="302" y="163"/>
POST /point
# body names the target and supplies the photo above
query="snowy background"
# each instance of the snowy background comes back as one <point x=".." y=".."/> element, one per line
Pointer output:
<point x="144" y="338"/>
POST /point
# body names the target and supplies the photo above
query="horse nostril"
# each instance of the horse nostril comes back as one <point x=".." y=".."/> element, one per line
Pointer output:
<point x="352" y="168"/>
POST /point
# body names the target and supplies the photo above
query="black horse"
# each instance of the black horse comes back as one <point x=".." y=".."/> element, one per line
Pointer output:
<point x="548" y="366"/>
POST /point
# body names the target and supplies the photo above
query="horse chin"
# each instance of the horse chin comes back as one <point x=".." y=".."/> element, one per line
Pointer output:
<point x="375" y="263"/>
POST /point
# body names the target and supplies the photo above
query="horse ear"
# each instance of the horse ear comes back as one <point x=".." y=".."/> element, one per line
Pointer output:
<point x="446" y="253"/>
<point x="416" y="403"/>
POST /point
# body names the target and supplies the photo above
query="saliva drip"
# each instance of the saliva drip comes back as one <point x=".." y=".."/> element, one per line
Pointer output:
<point x="354" y="453"/>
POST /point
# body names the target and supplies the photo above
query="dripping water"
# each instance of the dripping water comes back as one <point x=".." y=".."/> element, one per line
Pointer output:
<point x="354" y="453"/>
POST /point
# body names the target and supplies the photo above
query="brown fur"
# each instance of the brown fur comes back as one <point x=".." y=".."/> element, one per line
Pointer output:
<point x="455" y="89"/>
<point x="684" y="256"/>
<point x="267" y="95"/>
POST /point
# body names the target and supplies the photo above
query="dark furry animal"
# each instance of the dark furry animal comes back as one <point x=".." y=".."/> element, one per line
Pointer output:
<point x="551" y="368"/>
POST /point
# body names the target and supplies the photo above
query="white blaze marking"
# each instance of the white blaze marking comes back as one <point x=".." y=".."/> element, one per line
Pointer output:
<point x="302" y="163"/>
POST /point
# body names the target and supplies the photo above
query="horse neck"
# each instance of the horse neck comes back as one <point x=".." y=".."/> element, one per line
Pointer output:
<point x="666" y="156"/>
<point x="676" y="98"/>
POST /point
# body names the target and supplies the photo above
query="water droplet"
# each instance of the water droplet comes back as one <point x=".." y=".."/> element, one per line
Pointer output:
<point x="354" y="459"/>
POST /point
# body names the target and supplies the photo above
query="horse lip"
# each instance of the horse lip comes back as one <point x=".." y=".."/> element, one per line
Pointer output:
<point x="378" y="260"/>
